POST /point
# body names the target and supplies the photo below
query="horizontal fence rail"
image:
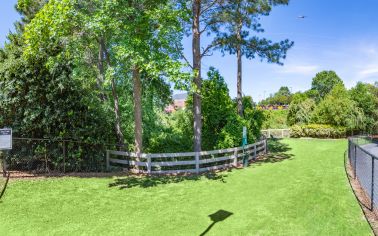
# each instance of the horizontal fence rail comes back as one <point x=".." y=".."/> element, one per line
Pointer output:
<point x="363" y="159"/>
<point x="276" y="133"/>
<point x="186" y="162"/>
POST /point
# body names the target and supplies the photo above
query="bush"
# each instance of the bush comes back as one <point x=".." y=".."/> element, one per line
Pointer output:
<point x="317" y="131"/>
<point x="275" y="119"/>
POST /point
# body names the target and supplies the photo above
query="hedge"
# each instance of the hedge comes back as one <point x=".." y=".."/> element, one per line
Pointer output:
<point x="317" y="131"/>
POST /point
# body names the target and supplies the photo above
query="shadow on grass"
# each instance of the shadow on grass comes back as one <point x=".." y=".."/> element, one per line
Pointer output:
<point x="277" y="152"/>
<point x="152" y="181"/>
<point x="218" y="216"/>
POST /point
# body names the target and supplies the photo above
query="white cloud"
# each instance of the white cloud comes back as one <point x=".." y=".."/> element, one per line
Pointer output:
<point x="369" y="71"/>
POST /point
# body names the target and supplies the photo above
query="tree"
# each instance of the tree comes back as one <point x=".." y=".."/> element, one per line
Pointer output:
<point x="324" y="82"/>
<point x="222" y="126"/>
<point x="217" y="107"/>
<point x="338" y="109"/>
<point x="282" y="97"/>
<point x="232" y="28"/>
<point x="41" y="98"/>
<point x="364" y="97"/>
<point x="300" y="112"/>
<point x="136" y="39"/>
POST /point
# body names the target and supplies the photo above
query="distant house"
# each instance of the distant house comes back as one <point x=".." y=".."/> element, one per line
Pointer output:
<point x="272" y="107"/>
<point x="179" y="102"/>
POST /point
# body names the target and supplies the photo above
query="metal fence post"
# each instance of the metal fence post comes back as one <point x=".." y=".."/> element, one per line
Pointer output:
<point x="197" y="155"/>
<point x="372" y="184"/>
<point x="107" y="160"/>
<point x="355" y="161"/>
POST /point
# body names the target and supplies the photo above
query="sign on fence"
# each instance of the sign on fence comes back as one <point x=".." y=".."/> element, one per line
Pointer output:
<point x="5" y="139"/>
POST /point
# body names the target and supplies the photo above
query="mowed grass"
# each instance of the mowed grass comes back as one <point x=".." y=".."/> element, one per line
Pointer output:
<point x="305" y="194"/>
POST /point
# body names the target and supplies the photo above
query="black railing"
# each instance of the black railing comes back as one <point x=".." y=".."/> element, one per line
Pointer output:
<point x="363" y="159"/>
<point x="42" y="156"/>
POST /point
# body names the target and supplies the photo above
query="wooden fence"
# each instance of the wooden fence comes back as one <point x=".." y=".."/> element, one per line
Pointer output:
<point x="276" y="133"/>
<point x="187" y="162"/>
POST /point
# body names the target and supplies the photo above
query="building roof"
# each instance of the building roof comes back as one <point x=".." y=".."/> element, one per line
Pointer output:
<point x="180" y="96"/>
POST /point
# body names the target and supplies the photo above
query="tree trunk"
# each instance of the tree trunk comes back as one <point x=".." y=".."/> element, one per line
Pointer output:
<point x="117" y="124"/>
<point x="239" y="82"/>
<point x="137" y="112"/>
<point x="100" y="66"/>
<point x="239" y="72"/>
<point x="196" y="47"/>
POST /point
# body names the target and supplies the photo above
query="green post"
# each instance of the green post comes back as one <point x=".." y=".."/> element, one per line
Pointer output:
<point x="244" y="143"/>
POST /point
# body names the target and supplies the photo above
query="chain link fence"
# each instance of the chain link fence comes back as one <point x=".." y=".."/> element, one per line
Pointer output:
<point x="43" y="156"/>
<point x="363" y="159"/>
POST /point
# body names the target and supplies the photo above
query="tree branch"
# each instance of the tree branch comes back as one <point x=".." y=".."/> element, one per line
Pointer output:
<point x="208" y="7"/>
<point x="210" y="46"/>
<point x="183" y="57"/>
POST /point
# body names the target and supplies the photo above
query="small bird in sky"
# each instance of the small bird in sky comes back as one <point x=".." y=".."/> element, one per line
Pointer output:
<point x="301" y="17"/>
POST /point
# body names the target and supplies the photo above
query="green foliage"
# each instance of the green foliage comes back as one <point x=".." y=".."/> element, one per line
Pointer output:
<point x="300" y="112"/>
<point x="324" y="82"/>
<point x="338" y="109"/>
<point x="275" y="119"/>
<point x="222" y="126"/>
<point x="39" y="101"/>
<point x="356" y="109"/>
<point x="282" y="97"/>
<point x="232" y="24"/>
<point x="363" y="95"/>
<point x="317" y="131"/>
<point x="174" y="134"/>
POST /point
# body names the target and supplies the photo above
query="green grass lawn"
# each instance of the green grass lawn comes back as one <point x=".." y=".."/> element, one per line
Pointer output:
<point x="305" y="194"/>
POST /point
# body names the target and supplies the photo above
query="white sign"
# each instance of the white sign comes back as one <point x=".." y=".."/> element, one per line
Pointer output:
<point x="5" y="139"/>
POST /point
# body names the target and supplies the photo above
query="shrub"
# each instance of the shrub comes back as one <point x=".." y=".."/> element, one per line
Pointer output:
<point x="317" y="131"/>
<point x="275" y="119"/>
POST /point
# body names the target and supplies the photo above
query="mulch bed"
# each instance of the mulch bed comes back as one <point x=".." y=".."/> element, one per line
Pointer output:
<point x="363" y="199"/>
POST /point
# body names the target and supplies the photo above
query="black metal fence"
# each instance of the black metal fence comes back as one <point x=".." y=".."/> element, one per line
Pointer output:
<point x="363" y="159"/>
<point x="47" y="156"/>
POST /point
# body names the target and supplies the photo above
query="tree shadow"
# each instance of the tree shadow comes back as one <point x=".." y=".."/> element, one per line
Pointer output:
<point x="155" y="180"/>
<point x="276" y="146"/>
<point x="216" y="217"/>
<point x="277" y="152"/>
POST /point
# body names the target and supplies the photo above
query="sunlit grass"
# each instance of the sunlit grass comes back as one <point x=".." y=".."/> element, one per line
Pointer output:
<point x="303" y="192"/>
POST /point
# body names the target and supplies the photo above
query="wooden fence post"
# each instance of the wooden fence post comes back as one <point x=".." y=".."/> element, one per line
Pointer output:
<point x="254" y="151"/>
<point x="4" y="164"/>
<point x="148" y="164"/>
<point x="265" y="146"/>
<point x="107" y="160"/>
<point x="197" y="156"/>
<point x="236" y="157"/>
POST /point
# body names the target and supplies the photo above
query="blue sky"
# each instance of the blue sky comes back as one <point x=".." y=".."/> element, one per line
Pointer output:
<point x="337" y="35"/>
